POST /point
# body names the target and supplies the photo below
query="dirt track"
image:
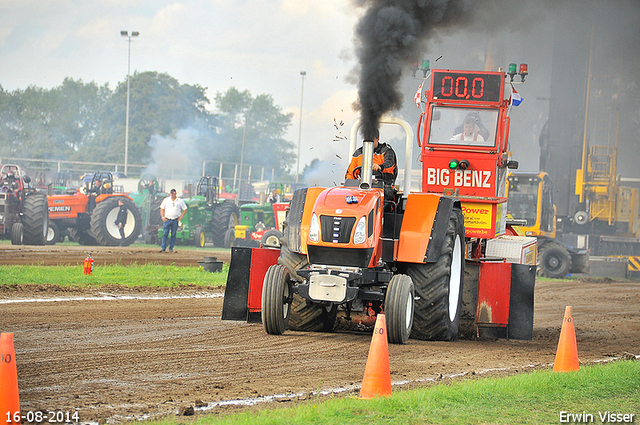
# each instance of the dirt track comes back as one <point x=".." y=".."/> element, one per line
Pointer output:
<point x="75" y="254"/>
<point x="116" y="357"/>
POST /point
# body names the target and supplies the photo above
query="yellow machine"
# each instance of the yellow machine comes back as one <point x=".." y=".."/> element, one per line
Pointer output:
<point x="531" y="204"/>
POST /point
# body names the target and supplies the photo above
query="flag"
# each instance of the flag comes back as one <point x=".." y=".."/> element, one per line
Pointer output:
<point x="516" y="99"/>
<point x="418" y="96"/>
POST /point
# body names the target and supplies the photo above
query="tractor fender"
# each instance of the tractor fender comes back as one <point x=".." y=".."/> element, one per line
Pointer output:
<point x="424" y="226"/>
<point x="104" y="196"/>
<point x="299" y="218"/>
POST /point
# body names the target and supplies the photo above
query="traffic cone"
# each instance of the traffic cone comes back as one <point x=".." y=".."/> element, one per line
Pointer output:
<point x="9" y="401"/>
<point x="377" y="376"/>
<point x="567" y="353"/>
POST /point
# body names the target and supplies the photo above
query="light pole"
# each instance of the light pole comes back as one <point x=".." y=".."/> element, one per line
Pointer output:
<point x="126" y="125"/>
<point x="302" y="74"/>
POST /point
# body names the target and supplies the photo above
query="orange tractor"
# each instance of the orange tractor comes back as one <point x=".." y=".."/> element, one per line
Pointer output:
<point x="90" y="214"/>
<point x="425" y="258"/>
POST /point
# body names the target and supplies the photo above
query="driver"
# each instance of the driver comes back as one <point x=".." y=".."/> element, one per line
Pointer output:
<point x="470" y="132"/>
<point x="385" y="164"/>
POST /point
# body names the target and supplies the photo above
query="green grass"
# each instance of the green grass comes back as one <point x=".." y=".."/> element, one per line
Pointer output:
<point x="532" y="398"/>
<point x="151" y="275"/>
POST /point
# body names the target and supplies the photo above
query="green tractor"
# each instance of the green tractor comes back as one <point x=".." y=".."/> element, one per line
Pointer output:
<point x="148" y="199"/>
<point x="208" y="218"/>
<point x="261" y="224"/>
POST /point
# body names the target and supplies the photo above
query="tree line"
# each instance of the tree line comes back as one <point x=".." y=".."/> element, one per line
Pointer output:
<point x="86" y="122"/>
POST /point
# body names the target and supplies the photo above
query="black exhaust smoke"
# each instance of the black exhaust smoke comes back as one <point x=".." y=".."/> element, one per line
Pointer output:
<point x="390" y="36"/>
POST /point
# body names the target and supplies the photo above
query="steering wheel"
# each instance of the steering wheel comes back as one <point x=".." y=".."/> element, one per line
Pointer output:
<point x="357" y="172"/>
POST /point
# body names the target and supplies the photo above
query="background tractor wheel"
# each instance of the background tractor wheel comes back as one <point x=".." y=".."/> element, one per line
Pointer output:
<point x="225" y="217"/>
<point x="35" y="218"/>
<point x="82" y="237"/>
<point x="103" y="218"/>
<point x="438" y="287"/>
<point x="53" y="233"/>
<point x="200" y="239"/>
<point x="271" y="239"/>
<point x="17" y="234"/>
<point x="554" y="260"/>
<point x="398" y="308"/>
<point x="276" y="301"/>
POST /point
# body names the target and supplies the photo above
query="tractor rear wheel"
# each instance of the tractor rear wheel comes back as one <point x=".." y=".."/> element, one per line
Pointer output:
<point x="103" y="219"/>
<point x="35" y="218"/>
<point x="311" y="317"/>
<point x="225" y="217"/>
<point x="398" y="308"/>
<point x="291" y="260"/>
<point x="17" y="234"/>
<point x="554" y="260"/>
<point x="438" y="287"/>
<point x="82" y="237"/>
<point x="53" y="233"/>
<point x="276" y="300"/>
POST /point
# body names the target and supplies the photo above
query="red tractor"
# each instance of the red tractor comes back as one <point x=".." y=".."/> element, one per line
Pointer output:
<point x="90" y="214"/>
<point x="24" y="216"/>
<point x="419" y="257"/>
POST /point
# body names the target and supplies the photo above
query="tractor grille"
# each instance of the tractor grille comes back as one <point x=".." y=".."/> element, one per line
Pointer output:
<point x="334" y="256"/>
<point x="336" y="229"/>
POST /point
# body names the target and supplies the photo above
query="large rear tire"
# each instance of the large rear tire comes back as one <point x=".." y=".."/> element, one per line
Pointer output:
<point x="225" y="217"/>
<point x="17" y="234"/>
<point x="398" y="308"/>
<point x="554" y="260"/>
<point x="35" y="218"/>
<point x="103" y="217"/>
<point x="82" y="237"/>
<point x="308" y="316"/>
<point x="276" y="300"/>
<point x="438" y="287"/>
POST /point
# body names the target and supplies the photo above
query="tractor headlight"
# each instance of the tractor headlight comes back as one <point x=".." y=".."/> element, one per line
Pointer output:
<point x="360" y="234"/>
<point x="314" y="229"/>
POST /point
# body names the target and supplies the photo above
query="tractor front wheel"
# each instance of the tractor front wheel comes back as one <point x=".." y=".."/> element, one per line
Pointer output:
<point x="53" y="233"/>
<point x="398" y="308"/>
<point x="276" y="300"/>
<point x="271" y="238"/>
<point x="17" y="234"/>
<point x="438" y="287"/>
<point x="200" y="238"/>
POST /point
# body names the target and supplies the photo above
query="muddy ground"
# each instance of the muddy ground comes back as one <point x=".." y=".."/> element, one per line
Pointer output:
<point x="115" y="355"/>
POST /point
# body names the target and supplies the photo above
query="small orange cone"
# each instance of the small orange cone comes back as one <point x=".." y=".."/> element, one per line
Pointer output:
<point x="377" y="377"/>
<point x="9" y="401"/>
<point x="567" y="353"/>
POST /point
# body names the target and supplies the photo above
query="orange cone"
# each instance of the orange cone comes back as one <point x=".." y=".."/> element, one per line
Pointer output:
<point x="567" y="353"/>
<point x="377" y="377"/>
<point x="9" y="401"/>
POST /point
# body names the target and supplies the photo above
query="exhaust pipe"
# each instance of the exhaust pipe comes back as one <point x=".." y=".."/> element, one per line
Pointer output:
<point x="367" y="164"/>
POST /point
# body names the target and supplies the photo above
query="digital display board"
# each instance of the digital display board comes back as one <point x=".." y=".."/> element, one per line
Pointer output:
<point x="467" y="86"/>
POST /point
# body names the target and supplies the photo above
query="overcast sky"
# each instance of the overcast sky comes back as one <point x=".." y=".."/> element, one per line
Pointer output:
<point x="260" y="46"/>
<point x="256" y="45"/>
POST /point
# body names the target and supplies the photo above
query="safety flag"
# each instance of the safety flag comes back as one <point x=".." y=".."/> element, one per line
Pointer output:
<point x="516" y="99"/>
<point x="418" y="96"/>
